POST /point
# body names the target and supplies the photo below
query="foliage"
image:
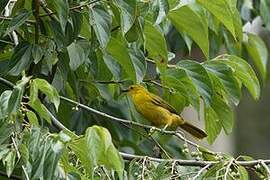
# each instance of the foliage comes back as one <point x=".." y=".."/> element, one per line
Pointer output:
<point x="90" y="50"/>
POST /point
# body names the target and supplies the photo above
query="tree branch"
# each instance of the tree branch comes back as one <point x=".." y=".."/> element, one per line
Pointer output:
<point x="72" y="8"/>
<point x="127" y="156"/>
<point x="132" y="123"/>
<point x="10" y="18"/>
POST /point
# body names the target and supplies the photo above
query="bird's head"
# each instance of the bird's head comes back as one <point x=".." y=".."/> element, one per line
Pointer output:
<point x="135" y="89"/>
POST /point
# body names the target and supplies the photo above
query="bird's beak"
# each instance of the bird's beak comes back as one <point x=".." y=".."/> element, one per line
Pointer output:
<point x="124" y="90"/>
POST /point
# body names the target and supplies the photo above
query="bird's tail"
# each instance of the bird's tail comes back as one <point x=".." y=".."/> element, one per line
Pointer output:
<point x="193" y="130"/>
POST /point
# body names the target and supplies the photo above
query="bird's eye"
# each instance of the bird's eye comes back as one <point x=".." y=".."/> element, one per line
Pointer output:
<point x="131" y="87"/>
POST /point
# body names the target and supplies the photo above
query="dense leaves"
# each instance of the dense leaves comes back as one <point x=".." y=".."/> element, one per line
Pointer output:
<point x="91" y="50"/>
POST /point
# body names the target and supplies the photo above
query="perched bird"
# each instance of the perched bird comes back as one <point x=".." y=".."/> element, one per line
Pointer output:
<point x="159" y="112"/>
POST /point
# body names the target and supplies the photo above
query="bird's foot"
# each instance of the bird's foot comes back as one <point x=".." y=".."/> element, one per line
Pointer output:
<point x="164" y="129"/>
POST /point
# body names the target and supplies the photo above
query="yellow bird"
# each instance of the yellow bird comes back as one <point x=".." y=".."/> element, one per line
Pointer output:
<point x="159" y="112"/>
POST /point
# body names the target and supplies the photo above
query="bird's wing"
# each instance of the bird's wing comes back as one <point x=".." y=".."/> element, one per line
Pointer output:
<point x="160" y="102"/>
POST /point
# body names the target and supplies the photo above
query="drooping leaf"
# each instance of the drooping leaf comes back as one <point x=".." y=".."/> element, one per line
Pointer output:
<point x="31" y="116"/>
<point x="40" y="109"/>
<point x="98" y="141"/>
<point x="4" y="98"/>
<point x="101" y="21"/>
<point x="224" y="113"/>
<point x="186" y="85"/>
<point x="258" y="51"/>
<point x="9" y="161"/>
<point x="222" y="10"/>
<point x="47" y="89"/>
<point x="127" y="10"/>
<point x="163" y="8"/>
<point x="139" y="63"/>
<point x="200" y="78"/>
<point x="44" y="154"/>
<point x="18" y="20"/>
<point x="119" y="52"/>
<point x="21" y="58"/>
<point x="76" y="55"/>
<point x="212" y="124"/>
<point x="15" y="98"/>
<point x="62" y="9"/>
<point x="224" y="74"/>
<point x="37" y="53"/>
<point x="243" y="72"/>
<point x="185" y="19"/>
<point x="155" y="43"/>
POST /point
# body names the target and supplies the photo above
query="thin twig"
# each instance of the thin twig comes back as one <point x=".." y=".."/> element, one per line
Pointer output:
<point x="7" y="42"/>
<point x="19" y="156"/>
<point x="265" y="167"/>
<point x="10" y="18"/>
<point x="132" y="123"/>
<point x="143" y="167"/>
<point x="173" y="165"/>
<point x="201" y="171"/>
<point x="228" y="169"/>
<point x="72" y="8"/>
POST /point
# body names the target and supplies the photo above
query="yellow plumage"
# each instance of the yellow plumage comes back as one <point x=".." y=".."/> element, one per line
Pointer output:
<point x="159" y="112"/>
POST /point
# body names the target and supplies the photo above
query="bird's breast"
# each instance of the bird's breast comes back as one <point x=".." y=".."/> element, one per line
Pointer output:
<point x="157" y="115"/>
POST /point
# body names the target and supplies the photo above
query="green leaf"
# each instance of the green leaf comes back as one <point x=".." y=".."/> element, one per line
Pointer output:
<point x="127" y="10"/>
<point x="37" y="53"/>
<point x="179" y="79"/>
<point x="99" y="143"/>
<point x="155" y="43"/>
<point x="224" y="75"/>
<point x="264" y="11"/>
<point x="214" y="172"/>
<point x="163" y="8"/>
<point x="187" y="20"/>
<point x="199" y="77"/>
<point x="212" y="124"/>
<point x="9" y="162"/>
<point x="40" y="109"/>
<point x="221" y="9"/>
<point x="4" y="98"/>
<point x="44" y="154"/>
<point x="178" y="99"/>
<point x="79" y="147"/>
<point x="5" y="132"/>
<point x="258" y="51"/>
<point x="101" y="21"/>
<point x="18" y="20"/>
<point x="62" y="11"/>
<point x="21" y="58"/>
<point x="15" y="99"/>
<point x="243" y="72"/>
<point x="119" y="52"/>
<point x="139" y="63"/>
<point x="32" y="118"/>
<point x="47" y="89"/>
<point x="243" y="173"/>
<point x="224" y="113"/>
<point x="76" y="55"/>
